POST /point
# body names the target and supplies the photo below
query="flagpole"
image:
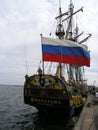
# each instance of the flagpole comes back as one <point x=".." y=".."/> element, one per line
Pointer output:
<point x="42" y="55"/>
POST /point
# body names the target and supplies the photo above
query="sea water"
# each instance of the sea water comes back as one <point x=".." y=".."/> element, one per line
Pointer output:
<point x="15" y="115"/>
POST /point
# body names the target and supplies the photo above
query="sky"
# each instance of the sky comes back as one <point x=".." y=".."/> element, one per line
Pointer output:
<point x="22" y="22"/>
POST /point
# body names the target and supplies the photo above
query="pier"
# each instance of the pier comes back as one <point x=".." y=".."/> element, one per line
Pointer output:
<point x="88" y="119"/>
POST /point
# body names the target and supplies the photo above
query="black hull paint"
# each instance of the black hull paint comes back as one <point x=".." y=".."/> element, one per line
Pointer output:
<point x="53" y="99"/>
<point x="62" y="109"/>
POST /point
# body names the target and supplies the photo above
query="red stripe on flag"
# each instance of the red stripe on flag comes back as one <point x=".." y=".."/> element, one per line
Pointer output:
<point x="68" y="59"/>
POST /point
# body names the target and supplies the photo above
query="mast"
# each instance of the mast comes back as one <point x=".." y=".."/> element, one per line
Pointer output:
<point x="60" y="29"/>
<point x="72" y="69"/>
<point x="60" y="34"/>
<point x="69" y="28"/>
<point x="69" y="35"/>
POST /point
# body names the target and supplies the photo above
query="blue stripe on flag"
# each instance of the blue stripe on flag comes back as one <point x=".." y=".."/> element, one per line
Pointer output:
<point x="65" y="50"/>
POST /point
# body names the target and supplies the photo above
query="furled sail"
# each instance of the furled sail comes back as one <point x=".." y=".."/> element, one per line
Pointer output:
<point x="64" y="51"/>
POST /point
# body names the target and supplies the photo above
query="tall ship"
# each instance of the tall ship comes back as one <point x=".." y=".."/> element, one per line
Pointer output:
<point x="66" y="56"/>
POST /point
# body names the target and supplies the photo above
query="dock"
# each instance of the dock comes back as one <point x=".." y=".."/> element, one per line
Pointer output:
<point x="88" y="119"/>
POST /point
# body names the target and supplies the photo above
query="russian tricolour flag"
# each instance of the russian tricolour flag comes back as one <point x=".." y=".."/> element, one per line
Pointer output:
<point x="64" y="51"/>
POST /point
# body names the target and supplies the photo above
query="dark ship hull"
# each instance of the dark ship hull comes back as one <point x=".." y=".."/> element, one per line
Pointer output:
<point x="49" y="94"/>
<point x="46" y="94"/>
<point x="49" y="105"/>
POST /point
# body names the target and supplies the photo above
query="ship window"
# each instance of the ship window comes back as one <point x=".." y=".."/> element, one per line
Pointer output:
<point x="46" y="82"/>
<point x="37" y="81"/>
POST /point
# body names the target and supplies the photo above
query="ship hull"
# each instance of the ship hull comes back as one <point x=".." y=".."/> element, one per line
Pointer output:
<point x="47" y="105"/>
<point x="50" y="96"/>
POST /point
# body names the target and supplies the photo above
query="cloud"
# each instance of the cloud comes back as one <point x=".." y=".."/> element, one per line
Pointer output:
<point x="22" y="22"/>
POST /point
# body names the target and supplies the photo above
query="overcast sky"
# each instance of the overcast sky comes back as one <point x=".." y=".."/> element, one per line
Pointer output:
<point x="22" y="22"/>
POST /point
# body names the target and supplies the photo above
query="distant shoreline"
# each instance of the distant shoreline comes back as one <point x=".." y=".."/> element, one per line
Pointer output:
<point x="11" y="85"/>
